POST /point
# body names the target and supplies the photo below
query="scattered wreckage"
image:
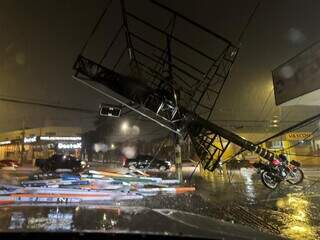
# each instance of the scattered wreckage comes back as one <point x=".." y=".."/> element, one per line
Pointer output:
<point x="89" y="186"/>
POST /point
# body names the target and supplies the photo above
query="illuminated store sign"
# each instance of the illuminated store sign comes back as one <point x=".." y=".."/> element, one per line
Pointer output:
<point x="69" y="146"/>
<point x="5" y="142"/>
<point x="53" y="138"/>
<point x="30" y="139"/>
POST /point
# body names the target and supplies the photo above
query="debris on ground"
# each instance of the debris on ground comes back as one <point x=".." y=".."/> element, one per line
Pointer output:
<point x="89" y="186"/>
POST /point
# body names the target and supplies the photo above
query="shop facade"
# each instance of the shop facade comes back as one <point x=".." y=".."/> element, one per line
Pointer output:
<point x="300" y="146"/>
<point x="30" y="144"/>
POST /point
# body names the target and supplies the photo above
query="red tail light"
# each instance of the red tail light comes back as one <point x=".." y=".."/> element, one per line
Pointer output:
<point x="276" y="162"/>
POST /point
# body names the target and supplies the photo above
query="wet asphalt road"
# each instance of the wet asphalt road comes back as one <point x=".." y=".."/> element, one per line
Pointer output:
<point x="239" y="197"/>
<point x="291" y="211"/>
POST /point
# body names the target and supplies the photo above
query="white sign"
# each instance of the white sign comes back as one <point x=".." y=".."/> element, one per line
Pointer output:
<point x="69" y="146"/>
<point x="5" y="142"/>
<point x="30" y="139"/>
<point x="53" y="138"/>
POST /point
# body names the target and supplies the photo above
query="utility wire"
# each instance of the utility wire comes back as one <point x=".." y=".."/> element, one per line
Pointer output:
<point x="302" y="155"/>
<point x="265" y="104"/>
<point x="96" y="26"/>
<point x="248" y="22"/>
<point x="48" y="105"/>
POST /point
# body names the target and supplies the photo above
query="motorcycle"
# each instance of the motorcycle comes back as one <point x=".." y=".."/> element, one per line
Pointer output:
<point x="276" y="171"/>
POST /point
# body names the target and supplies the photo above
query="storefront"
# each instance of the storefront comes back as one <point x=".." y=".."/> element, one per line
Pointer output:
<point x="9" y="150"/>
<point x="45" y="146"/>
<point x="27" y="146"/>
<point x="300" y="146"/>
<point x="39" y="147"/>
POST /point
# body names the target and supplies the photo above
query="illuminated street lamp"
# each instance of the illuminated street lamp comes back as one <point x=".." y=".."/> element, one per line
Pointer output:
<point x="113" y="146"/>
<point x="124" y="127"/>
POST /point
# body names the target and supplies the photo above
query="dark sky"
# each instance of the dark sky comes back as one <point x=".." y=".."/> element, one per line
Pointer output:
<point x="40" y="41"/>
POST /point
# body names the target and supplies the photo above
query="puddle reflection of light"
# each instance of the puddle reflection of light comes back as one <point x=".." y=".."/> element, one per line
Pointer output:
<point x="108" y="221"/>
<point x="248" y="183"/>
<point x="17" y="220"/>
<point x="54" y="220"/>
<point x="113" y="222"/>
<point x="297" y="225"/>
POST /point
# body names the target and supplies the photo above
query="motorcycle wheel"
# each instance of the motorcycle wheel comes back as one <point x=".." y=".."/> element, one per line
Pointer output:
<point x="299" y="176"/>
<point x="268" y="180"/>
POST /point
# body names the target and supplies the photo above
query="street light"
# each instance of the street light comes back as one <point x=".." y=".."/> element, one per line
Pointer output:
<point x="112" y="146"/>
<point x="124" y="127"/>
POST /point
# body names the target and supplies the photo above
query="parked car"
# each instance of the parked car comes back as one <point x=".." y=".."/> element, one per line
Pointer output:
<point x="60" y="161"/>
<point x="5" y="163"/>
<point x="147" y="161"/>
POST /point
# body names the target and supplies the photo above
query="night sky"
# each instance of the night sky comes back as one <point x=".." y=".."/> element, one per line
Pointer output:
<point x="40" y="41"/>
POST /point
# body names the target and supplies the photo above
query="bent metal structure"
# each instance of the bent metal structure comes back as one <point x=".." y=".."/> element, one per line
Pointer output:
<point x="164" y="87"/>
<point x="202" y="132"/>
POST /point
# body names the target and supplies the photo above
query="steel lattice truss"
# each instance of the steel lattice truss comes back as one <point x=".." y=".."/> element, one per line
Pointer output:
<point x="210" y="148"/>
<point x="199" y="87"/>
<point x="211" y="142"/>
<point x="165" y="81"/>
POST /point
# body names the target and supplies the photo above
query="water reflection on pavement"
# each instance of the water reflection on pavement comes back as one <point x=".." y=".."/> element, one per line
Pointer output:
<point x="293" y="211"/>
<point x="238" y="197"/>
<point x="58" y="218"/>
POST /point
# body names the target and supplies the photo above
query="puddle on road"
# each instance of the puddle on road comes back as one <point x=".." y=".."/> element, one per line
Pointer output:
<point x="297" y="223"/>
<point x="294" y="210"/>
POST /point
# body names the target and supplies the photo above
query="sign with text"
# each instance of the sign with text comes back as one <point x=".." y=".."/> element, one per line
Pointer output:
<point x="297" y="136"/>
<point x="109" y="111"/>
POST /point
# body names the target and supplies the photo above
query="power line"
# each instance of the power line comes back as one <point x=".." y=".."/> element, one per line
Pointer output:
<point x="265" y="104"/>
<point x="96" y="26"/>
<point x="248" y="22"/>
<point x="249" y="121"/>
<point x="302" y="155"/>
<point x="48" y="105"/>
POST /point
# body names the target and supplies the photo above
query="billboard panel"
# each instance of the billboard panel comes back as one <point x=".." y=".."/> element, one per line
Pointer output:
<point x="298" y="76"/>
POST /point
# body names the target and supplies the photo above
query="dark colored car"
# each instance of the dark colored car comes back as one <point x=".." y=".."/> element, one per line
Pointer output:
<point x="147" y="161"/>
<point x="60" y="161"/>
